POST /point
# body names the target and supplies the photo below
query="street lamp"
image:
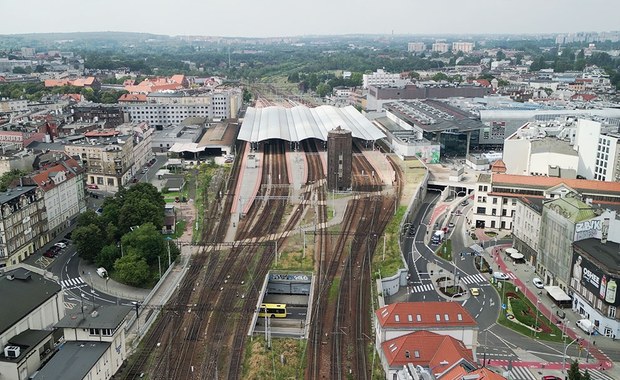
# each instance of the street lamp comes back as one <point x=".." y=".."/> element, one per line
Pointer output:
<point x="564" y="356"/>
<point x="536" y="323"/>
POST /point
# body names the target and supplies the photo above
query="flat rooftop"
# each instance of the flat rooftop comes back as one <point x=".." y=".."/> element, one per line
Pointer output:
<point x="73" y="361"/>
<point x="434" y="116"/>
<point x="27" y="291"/>
<point x="605" y="255"/>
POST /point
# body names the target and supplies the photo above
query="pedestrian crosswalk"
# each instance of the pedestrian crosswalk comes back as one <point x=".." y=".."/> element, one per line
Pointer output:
<point x="474" y="279"/>
<point x="511" y="275"/>
<point x="69" y="305"/>
<point x="72" y="283"/>
<point x="598" y="375"/>
<point x="521" y="373"/>
<point x="422" y="288"/>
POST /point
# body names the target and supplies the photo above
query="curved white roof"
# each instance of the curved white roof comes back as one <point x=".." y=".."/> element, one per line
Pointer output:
<point x="300" y="123"/>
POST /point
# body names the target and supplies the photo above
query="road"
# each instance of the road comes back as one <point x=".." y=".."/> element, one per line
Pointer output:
<point x="496" y="341"/>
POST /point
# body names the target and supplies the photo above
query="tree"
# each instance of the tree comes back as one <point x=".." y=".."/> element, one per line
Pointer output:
<point x="323" y="89"/>
<point x="440" y="77"/>
<point x="108" y="255"/>
<point x="147" y="242"/>
<point x="500" y="56"/>
<point x="89" y="241"/>
<point x="573" y="372"/>
<point x="132" y="269"/>
<point x="7" y="178"/>
<point x="247" y="95"/>
<point x="414" y="75"/>
<point x="586" y="375"/>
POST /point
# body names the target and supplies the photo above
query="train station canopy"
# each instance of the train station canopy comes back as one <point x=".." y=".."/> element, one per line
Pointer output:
<point x="300" y="123"/>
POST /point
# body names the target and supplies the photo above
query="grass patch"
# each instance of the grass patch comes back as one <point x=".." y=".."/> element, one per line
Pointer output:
<point x="445" y="250"/>
<point x="285" y="359"/>
<point x="179" y="229"/>
<point x="389" y="262"/>
<point x="490" y="233"/>
<point x="333" y="290"/>
<point x="520" y="304"/>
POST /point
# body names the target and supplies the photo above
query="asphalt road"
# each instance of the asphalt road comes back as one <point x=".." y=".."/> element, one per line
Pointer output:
<point x="496" y="342"/>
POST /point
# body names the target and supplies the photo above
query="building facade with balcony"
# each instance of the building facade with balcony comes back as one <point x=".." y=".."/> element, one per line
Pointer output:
<point x="107" y="161"/>
<point x="23" y="224"/>
<point x="62" y="184"/>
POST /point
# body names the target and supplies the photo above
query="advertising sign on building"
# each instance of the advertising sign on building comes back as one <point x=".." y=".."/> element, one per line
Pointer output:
<point x="588" y="229"/>
<point x="601" y="284"/>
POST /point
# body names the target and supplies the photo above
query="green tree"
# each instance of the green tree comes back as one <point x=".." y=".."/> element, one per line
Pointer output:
<point x="9" y="177"/>
<point x="323" y="89"/>
<point x="132" y="269"/>
<point x="573" y="372"/>
<point x="500" y="56"/>
<point x="440" y="77"/>
<point x="108" y="255"/>
<point x="147" y="242"/>
<point x="414" y="75"/>
<point x="89" y="241"/>
<point x="247" y="95"/>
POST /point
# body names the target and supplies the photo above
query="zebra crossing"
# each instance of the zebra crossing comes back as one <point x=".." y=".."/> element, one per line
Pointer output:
<point x="422" y="288"/>
<point x="72" y="283"/>
<point x="520" y="373"/>
<point x="474" y="279"/>
<point x="598" y="375"/>
<point x="69" y="305"/>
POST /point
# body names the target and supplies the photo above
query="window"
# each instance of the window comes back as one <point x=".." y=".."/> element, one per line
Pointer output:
<point x="418" y="318"/>
<point x="416" y="353"/>
<point x="438" y="317"/>
<point x="481" y="210"/>
<point x="397" y="318"/>
<point x="494" y="200"/>
<point x="446" y="317"/>
<point x="407" y="355"/>
<point x="93" y="331"/>
<point x="459" y="316"/>
<point x="611" y="313"/>
<point x="494" y="212"/>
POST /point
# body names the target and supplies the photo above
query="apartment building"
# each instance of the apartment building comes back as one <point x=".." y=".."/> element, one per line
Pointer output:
<point x="496" y="195"/>
<point x="143" y="136"/>
<point x="526" y="227"/>
<point x="94" y="341"/>
<point x="416" y="47"/>
<point x="465" y="47"/>
<point x="382" y="78"/>
<point x="23" y="224"/>
<point x="27" y="338"/>
<point x="62" y="184"/>
<point x="107" y="160"/>
<point x="440" y="47"/>
<point x="595" y="275"/>
<point x="171" y="108"/>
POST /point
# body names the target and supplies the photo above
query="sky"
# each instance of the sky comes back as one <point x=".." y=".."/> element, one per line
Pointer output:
<point x="279" y="18"/>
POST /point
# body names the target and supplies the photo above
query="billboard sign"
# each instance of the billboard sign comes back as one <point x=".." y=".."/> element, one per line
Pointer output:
<point x="603" y="285"/>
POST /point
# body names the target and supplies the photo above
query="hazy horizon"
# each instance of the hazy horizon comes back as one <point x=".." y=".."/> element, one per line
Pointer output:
<point x="220" y="18"/>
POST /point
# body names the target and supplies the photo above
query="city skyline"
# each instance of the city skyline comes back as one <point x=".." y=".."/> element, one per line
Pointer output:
<point x="321" y="17"/>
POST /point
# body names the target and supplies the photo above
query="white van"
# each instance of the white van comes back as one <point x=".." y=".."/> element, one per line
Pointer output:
<point x="102" y="272"/>
<point x="586" y="325"/>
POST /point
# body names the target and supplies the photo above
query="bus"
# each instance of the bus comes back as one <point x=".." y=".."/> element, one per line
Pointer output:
<point x="275" y="310"/>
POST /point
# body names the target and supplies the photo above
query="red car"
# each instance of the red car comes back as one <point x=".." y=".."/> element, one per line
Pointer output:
<point x="551" y="377"/>
<point x="93" y="186"/>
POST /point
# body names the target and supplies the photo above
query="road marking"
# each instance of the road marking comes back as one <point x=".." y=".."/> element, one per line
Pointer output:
<point x="69" y="305"/>
<point x="521" y="373"/>
<point x="72" y="283"/>
<point x="422" y="288"/>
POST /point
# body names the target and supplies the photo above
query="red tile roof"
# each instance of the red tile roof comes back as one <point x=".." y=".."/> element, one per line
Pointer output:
<point x="580" y="185"/>
<point x="424" y="315"/>
<point x="427" y="349"/>
<point x="498" y="167"/>
<point x="129" y="98"/>
<point x="44" y="177"/>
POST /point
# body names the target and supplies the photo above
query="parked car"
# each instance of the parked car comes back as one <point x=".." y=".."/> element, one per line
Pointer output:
<point x="49" y="254"/>
<point x="451" y="225"/>
<point x="538" y="283"/>
<point x="102" y="272"/>
<point x="60" y="245"/>
<point x="550" y="377"/>
<point x="500" y="276"/>
<point x="92" y="186"/>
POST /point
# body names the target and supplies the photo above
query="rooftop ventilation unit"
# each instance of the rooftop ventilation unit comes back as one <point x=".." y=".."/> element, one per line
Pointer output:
<point x="12" y="351"/>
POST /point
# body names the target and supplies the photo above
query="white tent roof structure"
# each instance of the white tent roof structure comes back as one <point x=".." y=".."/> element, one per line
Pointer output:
<point x="300" y="123"/>
<point x="186" y="147"/>
<point x="557" y="293"/>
